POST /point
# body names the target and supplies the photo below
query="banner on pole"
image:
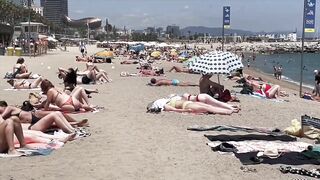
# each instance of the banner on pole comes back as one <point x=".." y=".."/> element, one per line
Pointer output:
<point x="226" y="17"/>
<point x="310" y="15"/>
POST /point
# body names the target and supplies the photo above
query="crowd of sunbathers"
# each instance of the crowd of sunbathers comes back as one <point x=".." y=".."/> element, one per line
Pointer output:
<point x="48" y="109"/>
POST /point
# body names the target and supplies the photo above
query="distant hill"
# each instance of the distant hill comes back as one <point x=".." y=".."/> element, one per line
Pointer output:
<point x="213" y="31"/>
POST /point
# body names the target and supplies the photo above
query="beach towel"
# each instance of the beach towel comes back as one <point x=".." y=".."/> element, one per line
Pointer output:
<point x="28" y="152"/>
<point x="274" y="132"/>
<point x="13" y="89"/>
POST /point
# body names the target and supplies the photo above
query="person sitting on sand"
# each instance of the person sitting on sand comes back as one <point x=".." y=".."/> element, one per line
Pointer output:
<point x="85" y="77"/>
<point x="39" y="121"/>
<point x="215" y="90"/>
<point x="70" y="81"/>
<point x="180" y="70"/>
<point x="91" y="66"/>
<point x="167" y="82"/>
<point x="25" y="84"/>
<point x="69" y="103"/>
<point x="9" y="128"/>
<point x="20" y="70"/>
<point x="177" y="104"/>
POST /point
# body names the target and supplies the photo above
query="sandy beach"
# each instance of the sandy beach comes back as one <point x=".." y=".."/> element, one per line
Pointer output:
<point x="128" y="143"/>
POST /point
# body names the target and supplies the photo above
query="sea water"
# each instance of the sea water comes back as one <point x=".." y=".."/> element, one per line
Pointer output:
<point x="291" y="64"/>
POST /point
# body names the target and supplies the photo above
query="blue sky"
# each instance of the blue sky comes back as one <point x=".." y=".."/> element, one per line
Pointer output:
<point x="254" y="15"/>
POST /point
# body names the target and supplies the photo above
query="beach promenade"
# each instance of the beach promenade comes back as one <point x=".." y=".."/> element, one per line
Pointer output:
<point x="128" y="143"/>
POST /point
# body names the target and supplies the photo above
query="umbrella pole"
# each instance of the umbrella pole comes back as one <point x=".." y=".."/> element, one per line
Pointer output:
<point x="218" y="78"/>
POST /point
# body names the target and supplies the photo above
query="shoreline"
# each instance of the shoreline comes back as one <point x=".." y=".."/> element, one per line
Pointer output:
<point x="269" y="78"/>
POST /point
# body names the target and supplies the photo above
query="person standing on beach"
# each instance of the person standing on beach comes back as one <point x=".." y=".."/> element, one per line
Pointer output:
<point x="275" y="72"/>
<point x="83" y="49"/>
<point x="317" y="83"/>
<point x="279" y="72"/>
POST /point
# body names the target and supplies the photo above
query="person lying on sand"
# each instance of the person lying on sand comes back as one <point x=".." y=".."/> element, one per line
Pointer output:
<point x="68" y="103"/>
<point x="9" y="128"/>
<point x="25" y="84"/>
<point x="267" y="90"/>
<point x="129" y="62"/>
<point x="167" y="82"/>
<point x="181" y="70"/>
<point x="143" y="73"/>
<point x="38" y="120"/>
<point x="177" y="104"/>
<point x="205" y="98"/>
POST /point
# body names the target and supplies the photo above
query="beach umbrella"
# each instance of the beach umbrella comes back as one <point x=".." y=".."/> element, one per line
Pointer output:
<point x="156" y="54"/>
<point x="216" y="62"/>
<point x="104" y="54"/>
<point x="173" y="53"/>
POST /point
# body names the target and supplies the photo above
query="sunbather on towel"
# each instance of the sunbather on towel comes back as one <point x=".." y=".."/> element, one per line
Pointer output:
<point x="266" y="90"/>
<point x="9" y="128"/>
<point x="40" y="121"/>
<point x="68" y="103"/>
<point x="177" y="104"/>
<point x="167" y="82"/>
<point x="205" y="98"/>
<point x="180" y="70"/>
<point x="25" y="84"/>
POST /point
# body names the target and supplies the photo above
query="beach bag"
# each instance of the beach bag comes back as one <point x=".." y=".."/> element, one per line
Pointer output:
<point x="310" y="127"/>
<point x="225" y="96"/>
<point x="246" y="89"/>
<point x="8" y="75"/>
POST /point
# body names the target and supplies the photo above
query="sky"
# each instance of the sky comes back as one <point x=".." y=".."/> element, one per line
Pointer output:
<point x="252" y="15"/>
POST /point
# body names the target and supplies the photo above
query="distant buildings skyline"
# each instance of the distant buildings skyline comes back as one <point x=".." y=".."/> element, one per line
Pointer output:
<point x="55" y="10"/>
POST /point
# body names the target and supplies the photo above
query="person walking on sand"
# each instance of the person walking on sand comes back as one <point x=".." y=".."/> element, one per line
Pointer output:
<point x="83" y="49"/>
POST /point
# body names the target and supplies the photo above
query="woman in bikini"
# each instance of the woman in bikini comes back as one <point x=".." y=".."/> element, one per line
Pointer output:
<point x="20" y="70"/>
<point x="167" y="82"/>
<point x="25" y="84"/>
<point x="265" y="89"/>
<point x="70" y="81"/>
<point x="9" y="128"/>
<point x="180" y="105"/>
<point x="205" y="98"/>
<point x="39" y="121"/>
<point x="68" y="103"/>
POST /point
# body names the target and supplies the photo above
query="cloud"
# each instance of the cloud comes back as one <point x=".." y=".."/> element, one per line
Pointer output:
<point x="130" y="15"/>
<point x="79" y="11"/>
<point x="186" y="7"/>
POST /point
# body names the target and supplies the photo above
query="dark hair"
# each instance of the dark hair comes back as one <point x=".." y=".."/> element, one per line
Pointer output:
<point x="11" y="82"/>
<point x="153" y="81"/>
<point x="27" y="106"/>
<point x="20" y="61"/>
<point x="3" y="104"/>
<point x="46" y="85"/>
<point x="71" y="77"/>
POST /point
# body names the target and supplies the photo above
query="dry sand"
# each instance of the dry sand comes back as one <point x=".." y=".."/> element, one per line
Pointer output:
<point x="127" y="143"/>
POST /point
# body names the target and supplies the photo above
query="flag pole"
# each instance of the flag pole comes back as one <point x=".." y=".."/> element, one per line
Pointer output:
<point x="302" y="47"/>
